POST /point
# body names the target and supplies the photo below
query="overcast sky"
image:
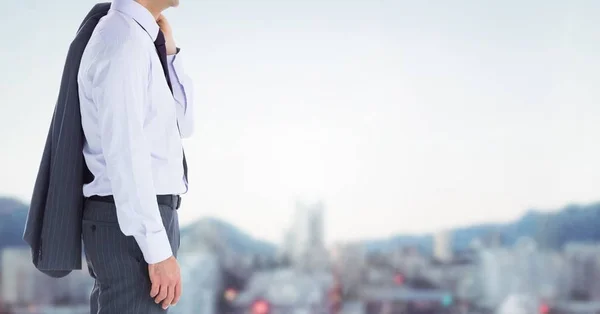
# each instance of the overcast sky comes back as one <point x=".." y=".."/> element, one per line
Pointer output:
<point x="403" y="116"/>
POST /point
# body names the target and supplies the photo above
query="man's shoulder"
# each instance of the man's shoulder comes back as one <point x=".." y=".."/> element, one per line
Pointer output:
<point x="116" y="33"/>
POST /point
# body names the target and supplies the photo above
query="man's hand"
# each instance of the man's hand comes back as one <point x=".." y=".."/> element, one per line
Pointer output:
<point x="166" y="282"/>
<point x="165" y="27"/>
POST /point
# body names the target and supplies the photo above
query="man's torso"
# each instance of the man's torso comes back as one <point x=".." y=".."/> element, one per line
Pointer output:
<point x="161" y="132"/>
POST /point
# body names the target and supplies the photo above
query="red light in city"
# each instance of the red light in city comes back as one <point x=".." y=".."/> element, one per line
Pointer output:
<point x="260" y="307"/>
<point x="399" y="279"/>
<point x="544" y="309"/>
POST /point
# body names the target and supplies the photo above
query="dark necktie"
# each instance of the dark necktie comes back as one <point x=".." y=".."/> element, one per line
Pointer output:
<point x="161" y="49"/>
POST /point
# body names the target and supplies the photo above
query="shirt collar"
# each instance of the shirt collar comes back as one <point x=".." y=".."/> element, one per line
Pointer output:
<point x="139" y="13"/>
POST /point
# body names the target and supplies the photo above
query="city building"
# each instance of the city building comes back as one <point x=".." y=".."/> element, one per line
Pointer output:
<point x="18" y="273"/>
<point x="305" y="241"/>
<point x="28" y="286"/>
<point x="286" y="291"/>
<point x="410" y="262"/>
<point x="583" y="263"/>
<point x="442" y="246"/>
<point x="350" y="264"/>
<point x="202" y="282"/>
<point x="522" y="270"/>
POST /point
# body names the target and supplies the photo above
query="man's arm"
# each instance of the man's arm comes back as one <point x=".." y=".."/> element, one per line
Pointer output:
<point x="183" y="92"/>
<point x="119" y="90"/>
<point x="183" y="89"/>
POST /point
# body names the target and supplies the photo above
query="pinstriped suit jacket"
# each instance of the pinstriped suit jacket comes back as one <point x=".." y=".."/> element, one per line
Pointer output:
<point x="53" y="228"/>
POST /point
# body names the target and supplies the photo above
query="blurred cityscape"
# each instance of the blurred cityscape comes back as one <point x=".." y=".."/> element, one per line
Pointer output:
<point x="546" y="263"/>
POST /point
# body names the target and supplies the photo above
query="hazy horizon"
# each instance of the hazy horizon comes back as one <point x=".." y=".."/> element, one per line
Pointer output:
<point x="381" y="237"/>
<point x="404" y="117"/>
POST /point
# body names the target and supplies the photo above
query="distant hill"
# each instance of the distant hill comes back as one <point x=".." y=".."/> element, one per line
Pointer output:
<point x="235" y="239"/>
<point x="13" y="214"/>
<point x="573" y="223"/>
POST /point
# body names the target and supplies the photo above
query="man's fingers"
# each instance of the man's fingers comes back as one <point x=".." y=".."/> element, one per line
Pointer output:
<point x="164" y="292"/>
<point x="170" y="297"/>
<point x="165" y="278"/>
<point x="177" y="292"/>
<point x="155" y="288"/>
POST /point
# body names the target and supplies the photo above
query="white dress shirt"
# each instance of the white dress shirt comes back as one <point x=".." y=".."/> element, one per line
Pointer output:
<point x="133" y="124"/>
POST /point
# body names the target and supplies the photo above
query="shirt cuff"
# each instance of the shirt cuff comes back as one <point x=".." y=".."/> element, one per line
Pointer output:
<point x="171" y="59"/>
<point x="155" y="246"/>
<point x="174" y="61"/>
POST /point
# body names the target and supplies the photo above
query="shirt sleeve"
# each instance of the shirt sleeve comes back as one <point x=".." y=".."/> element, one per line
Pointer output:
<point x="183" y="92"/>
<point x="120" y="79"/>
